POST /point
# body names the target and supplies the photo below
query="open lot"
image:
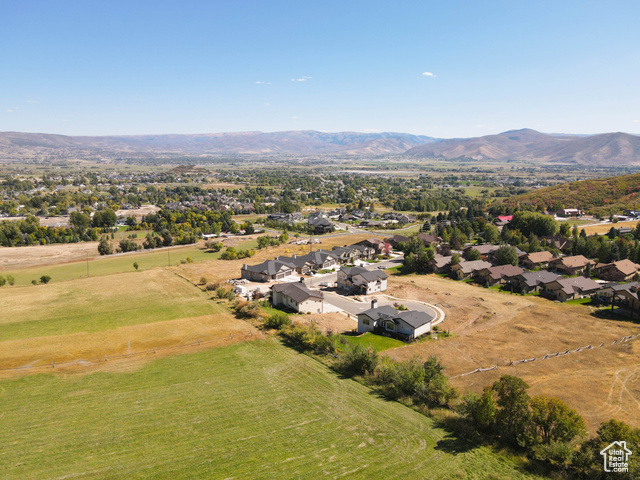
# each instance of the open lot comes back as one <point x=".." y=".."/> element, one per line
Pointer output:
<point x="605" y="227"/>
<point x="83" y="319"/>
<point x="253" y="410"/>
<point x="493" y="328"/>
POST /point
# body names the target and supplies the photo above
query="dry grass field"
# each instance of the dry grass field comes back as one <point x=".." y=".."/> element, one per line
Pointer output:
<point x="493" y="328"/>
<point x="84" y="319"/>
<point x="604" y="228"/>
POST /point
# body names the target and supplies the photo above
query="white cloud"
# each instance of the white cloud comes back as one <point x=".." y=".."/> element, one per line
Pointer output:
<point x="259" y="82"/>
<point x="9" y="110"/>
<point x="32" y="101"/>
<point x="303" y="78"/>
<point x="636" y="121"/>
<point x="428" y="74"/>
<point x="267" y="104"/>
<point x="294" y="117"/>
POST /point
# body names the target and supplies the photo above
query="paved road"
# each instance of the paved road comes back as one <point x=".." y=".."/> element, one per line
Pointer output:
<point x="331" y="278"/>
<point x="354" y="307"/>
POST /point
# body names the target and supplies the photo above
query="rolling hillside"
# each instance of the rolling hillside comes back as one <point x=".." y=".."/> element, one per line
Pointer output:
<point x="526" y="144"/>
<point x="14" y="144"/>
<point x="602" y="196"/>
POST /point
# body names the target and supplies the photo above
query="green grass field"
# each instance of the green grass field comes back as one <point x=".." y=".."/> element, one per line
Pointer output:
<point x="254" y="410"/>
<point x="378" y="342"/>
<point x="111" y="264"/>
<point x="99" y="304"/>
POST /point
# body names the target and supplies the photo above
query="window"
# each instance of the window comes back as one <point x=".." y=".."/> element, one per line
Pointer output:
<point x="390" y="326"/>
<point x="365" y="321"/>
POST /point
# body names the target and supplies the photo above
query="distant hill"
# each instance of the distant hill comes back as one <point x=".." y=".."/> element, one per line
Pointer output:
<point x="526" y="144"/>
<point x="618" y="149"/>
<point x="603" y="196"/>
<point x="293" y="142"/>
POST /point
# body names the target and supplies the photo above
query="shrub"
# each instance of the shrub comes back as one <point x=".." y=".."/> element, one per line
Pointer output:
<point x="34" y="282"/>
<point x="135" y="265"/>
<point x="358" y="360"/>
<point x="277" y="320"/>
<point x="203" y="280"/>
<point x="189" y="260"/>
<point x="45" y="279"/>
<point x="211" y="286"/>
<point x="11" y="280"/>
<point x="3" y="281"/>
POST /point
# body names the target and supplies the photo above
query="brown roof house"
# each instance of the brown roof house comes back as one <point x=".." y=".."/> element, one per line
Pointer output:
<point x="428" y="239"/>
<point x="575" y="265"/>
<point x="496" y="275"/>
<point x="564" y="289"/>
<point x="536" y="260"/>
<point x="297" y="297"/>
<point x="439" y="264"/>
<point x="620" y="271"/>
<point x="464" y="270"/>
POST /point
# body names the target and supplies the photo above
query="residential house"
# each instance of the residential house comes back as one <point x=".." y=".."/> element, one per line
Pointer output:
<point x="485" y="250"/>
<point x="375" y="243"/>
<point x="386" y="320"/>
<point x="346" y="254"/>
<point x="528" y="282"/>
<point x="364" y="252"/>
<point x="439" y="264"/>
<point x="564" y="289"/>
<point x="297" y="297"/>
<point x="620" y="271"/>
<point x="267" y="271"/>
<point x="609" y="291"/>
<point x="536" y="260"/>
<point x="465" y="270"/>
<point x="320" y="225"/>
<point x="561" y="243"/>
<point x="496" y="275"/>
<point x="361" y="280"/>
<point x="575" y="265"/>
<point x="397" y="239"/>
<point x="429" y="239"/>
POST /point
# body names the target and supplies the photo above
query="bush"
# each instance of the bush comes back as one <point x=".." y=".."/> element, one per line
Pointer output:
<point x="203" y="280"/>
<point x="358" y="360"/>
<point x="211" y="286"/>
<point x="34" y="282"/>
<point x="45" y="279"/>
<point x="11" y="280"/>
<point x="277" y="320"/>
<point x="213" y="245"/>
<point x="3" y="281"/>
<point x="104" y="247"/>
<point x="248" y="309"/>
<point x="135" y="265"/>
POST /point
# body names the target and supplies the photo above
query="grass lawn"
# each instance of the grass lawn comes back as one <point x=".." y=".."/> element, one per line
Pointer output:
<point x="99" y="303"/>
<point x="579" y="301"/>
<point x="253" y="410"/>
<point x="111" y="264"/>
<point x="378" y="342"/>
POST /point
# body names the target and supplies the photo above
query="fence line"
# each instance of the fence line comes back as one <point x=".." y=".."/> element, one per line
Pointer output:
<point x="548" y="356"/>
<point x="153" y="350"/>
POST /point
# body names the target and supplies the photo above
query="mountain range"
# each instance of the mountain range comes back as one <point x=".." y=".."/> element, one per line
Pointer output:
<point x="617" y="149"/>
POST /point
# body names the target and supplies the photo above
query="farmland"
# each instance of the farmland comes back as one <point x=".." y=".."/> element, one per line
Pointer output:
<point x="252" y="410"/>
<point x="114" y="314"/>
<point x="493" y="328"/>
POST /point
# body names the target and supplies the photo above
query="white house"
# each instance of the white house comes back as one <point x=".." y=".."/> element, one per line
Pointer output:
<point x="297" y="297"/>
<point x="362" y="280"/>
<point x="407" y="324"/>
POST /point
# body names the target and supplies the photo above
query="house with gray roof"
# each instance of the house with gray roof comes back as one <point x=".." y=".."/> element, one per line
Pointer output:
<point x="464" y="270"/>
<point x="386" y="320"/>
<point x="564" y="289"/>
<point x="496" y="275"/>
<point x="362" y="281"/>
<point x="297" y="297"/>
<point x="528" y="282"/>
<point x="268" y="271"/>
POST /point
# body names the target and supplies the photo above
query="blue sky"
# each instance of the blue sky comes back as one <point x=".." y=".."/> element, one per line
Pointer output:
<point x="137" y="67"/>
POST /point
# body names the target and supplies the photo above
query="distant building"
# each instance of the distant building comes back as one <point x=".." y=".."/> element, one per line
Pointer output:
<point x="575" y="265"/>
<point x="620" y="271"/>
<point x="569" y="212"/>
<point x="465" y="270"/>
<point x="564" y="289"/>
<point x="536" y="260"/>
